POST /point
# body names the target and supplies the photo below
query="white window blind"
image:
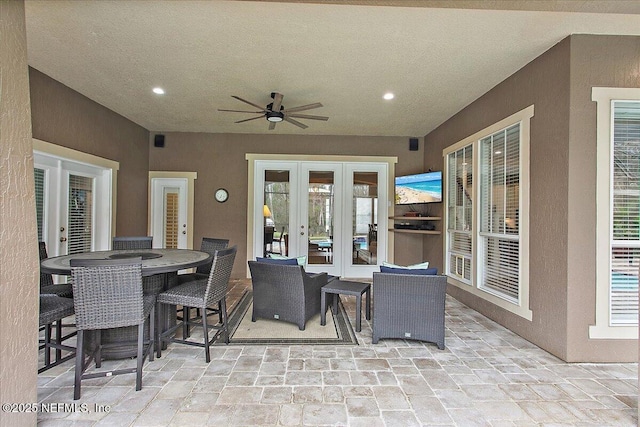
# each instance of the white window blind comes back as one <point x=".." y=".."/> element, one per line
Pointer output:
<point x="459" y="210"/>
<point x="499" y="212"/>
<point x="39" y="175"/>
<point x="625" y="239"/>
<point x="80" y="222"/>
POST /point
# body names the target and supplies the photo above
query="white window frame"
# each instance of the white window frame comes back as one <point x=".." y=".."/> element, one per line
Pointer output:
<point x="604" y="98"/>
<point x="521" y="307"/>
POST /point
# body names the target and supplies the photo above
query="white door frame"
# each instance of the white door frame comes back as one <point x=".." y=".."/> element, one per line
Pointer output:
<point x="158" y="182"/>
<point x="255" y="197"/>
<point x="58" y="162"/>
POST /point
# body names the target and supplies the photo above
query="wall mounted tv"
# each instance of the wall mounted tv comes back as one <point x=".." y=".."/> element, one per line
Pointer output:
<point x="419" y="188"/>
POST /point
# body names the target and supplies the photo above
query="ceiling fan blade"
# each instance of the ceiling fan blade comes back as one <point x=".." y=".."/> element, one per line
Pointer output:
<point x="247" y="102"/>
<point x="302" y="108"/>
<point x="242" y="111"/>
<point x="252" y="118"/>
<point x="277" y="101"/>
<point x="295" y="122"/>
<point x="306" y="116"/>
<point x="272" y="125"/>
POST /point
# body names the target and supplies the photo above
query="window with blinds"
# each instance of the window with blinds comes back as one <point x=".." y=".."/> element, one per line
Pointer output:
<point x="39" y="175"/>
<point x="459" y="213"/>
<point x="625" y="227"/>
<point x="499" y="211"/>
<point x="80" y="221"/>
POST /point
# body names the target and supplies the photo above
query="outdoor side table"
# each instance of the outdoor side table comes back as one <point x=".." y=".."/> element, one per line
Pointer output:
<point x="343" y="287"/>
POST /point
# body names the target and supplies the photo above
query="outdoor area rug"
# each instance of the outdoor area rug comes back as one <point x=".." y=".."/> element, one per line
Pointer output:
<point x="337" y="331"/>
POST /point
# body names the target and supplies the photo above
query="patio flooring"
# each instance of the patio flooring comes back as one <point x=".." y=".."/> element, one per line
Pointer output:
<point x="486" y="376"/>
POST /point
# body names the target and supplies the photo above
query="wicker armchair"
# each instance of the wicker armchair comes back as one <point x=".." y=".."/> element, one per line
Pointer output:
<point x="53" y="309"/>
<point x="202" y="294"/>
<point x="46" y="280"/>
<point x="409" y="307"/>
<point x="143" y="242"/>
<point x="285" y="292"/>
<point x="108" y="294"/>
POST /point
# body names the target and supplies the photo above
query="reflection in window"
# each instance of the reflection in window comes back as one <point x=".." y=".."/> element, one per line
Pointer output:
<point x="276" y="198"/>
<point x="365" y="218"/>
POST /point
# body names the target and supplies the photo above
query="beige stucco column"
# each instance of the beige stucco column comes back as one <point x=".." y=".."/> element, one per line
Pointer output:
<point x="19" y="273"/>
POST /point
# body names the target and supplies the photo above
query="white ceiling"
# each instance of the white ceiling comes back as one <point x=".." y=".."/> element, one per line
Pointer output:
<point x="435" y="60"/>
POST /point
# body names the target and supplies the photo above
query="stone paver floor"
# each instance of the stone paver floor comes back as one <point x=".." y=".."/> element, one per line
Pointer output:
<point x="486" y="376"/>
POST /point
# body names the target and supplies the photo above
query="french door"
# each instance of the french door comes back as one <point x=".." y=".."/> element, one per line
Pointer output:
<point x="326" y="212"/>
<point x="73" y="205"/>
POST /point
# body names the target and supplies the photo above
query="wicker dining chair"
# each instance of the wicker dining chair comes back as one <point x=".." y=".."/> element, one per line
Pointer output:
<point x="46" y="280"/>
<point x="52" y="310"/>
<point x="202" y="294"/>
<point x="108" y="294"/>
<point x="135" y="242"/>
<point x="408" y="306"/>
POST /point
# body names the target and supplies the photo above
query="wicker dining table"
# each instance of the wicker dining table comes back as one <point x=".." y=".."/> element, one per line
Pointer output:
<point x="159" y="271"/>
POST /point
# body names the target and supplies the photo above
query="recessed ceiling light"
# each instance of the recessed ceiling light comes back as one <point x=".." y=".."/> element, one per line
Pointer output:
<point x="388" y="96"/>
<point x="498" y="152"/>
<point x="158" y="90"/>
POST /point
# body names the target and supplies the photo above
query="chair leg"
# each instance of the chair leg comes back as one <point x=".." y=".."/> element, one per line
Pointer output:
<point x="58" y="339"/>
<point x="152" y="332"/>
<point x="47" y="348"/>
<point x="205" y="332"/>
<point x="223" y="313"/>
<point x="220" y="316"/>
<point x="98" y="333"/>
<point x="79" y="364"/>
<point x="140" y="356"/>
<point x="159" y="333"/>
<point x="186" y="315"/>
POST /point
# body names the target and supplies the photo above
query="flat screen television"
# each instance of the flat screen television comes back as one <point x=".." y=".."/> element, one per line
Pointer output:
<point x="419" y="188"/>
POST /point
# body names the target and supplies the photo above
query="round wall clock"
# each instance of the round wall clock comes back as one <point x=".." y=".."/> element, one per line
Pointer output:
<point x="222" y="195"/>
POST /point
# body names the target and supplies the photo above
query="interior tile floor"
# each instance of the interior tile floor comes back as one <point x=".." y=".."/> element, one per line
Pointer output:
<point x="486" y="376"/>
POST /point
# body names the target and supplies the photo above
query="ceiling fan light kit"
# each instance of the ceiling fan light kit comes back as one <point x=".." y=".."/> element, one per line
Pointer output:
<point x="275" y="112"/>
<point x="275" y="116"/>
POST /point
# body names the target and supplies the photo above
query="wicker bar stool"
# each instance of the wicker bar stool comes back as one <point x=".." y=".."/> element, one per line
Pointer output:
<point x="46" y="280"/>
<point x="142" y="242"/>
<point x="53" y="309"/>
<point x="209" y="245"/>
<point x="108" y="294"/>
<point x="201" y="294"/>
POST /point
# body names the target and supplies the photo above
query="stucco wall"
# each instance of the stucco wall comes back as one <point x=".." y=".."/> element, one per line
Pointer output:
<point x="605" y="61"/>
<point x="219" y="160"/>
<point x="563" y="173"/>
<point x="64" y="117"/>
<point x="18" y="243"/>
<point x="544" y="83"/>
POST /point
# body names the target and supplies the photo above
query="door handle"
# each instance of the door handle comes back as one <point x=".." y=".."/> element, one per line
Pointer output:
<point x="63" y="239"/>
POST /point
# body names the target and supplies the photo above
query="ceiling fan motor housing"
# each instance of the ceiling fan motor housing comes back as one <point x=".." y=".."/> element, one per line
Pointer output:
<point x="275" y="116"/>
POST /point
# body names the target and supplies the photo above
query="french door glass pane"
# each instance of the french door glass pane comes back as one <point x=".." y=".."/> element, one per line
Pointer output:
<point x="365" y="218"/>
<point x="39" y="181"/>
<point x="320" y="221"/>
<point x="80" y="222"/>
<point x="276" y="219"/>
